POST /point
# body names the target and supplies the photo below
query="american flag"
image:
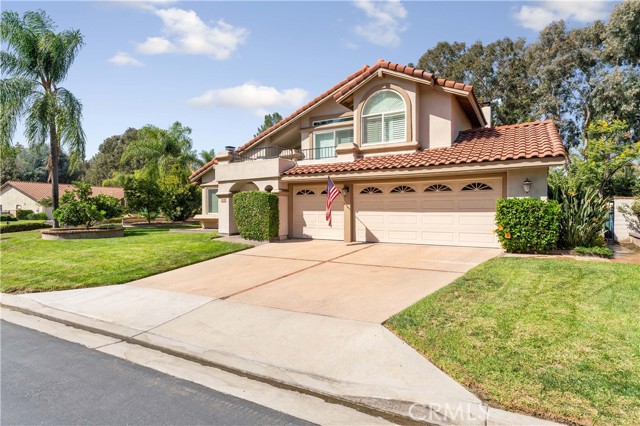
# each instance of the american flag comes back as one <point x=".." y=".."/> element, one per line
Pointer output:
<point x="332" y="194"/>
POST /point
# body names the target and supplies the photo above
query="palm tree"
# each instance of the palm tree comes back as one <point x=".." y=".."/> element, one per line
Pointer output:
<point x="37" y="61"/>
<point x="160" y="150"/>
<point x="204" y="157"/>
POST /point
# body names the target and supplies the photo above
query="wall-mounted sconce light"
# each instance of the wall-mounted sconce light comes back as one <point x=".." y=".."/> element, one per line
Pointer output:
<point x="526" y="185"/>
<point x="345" y="191"/>
<point x="268" y="188"/>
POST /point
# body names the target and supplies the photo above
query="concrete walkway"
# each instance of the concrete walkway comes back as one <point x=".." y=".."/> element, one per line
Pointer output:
<point x="346" y="360"/>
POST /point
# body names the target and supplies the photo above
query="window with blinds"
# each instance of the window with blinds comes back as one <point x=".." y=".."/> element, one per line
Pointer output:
<point x="212" y="195"/>
<point x="384" y="118"/>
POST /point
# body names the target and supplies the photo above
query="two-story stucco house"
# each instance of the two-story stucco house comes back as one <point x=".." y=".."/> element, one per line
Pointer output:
<point x="415" y="157"/>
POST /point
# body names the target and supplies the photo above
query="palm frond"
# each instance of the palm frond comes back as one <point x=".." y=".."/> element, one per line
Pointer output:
<point x="15" y="96"/>
<point x="69" y="123"/>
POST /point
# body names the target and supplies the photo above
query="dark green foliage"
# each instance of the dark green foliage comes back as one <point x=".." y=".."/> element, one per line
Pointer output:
<point x="269" y="120"/>
<point x="79" y="207"/>
<point x="256" y="215"/>
<point x="583" y="216"/>
<point x="180" y="198"/>
<point x="106" y="162"/>
<point x="23" y="214"/>
<point x="594" y="251"/>
<point x="143" y="196"/>
<point x="111" y="206"/>
<point x="19" y="227"/>
<point x="7" y="218"/>
<point x="38" y="216"/>
<point x="527" y="224"/>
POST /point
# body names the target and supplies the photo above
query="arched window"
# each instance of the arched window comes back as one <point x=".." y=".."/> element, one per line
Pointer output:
<point x="477" y="186"/>
<point x="438" y="187"/>
<point x="402" y="189"/>
<point x="305" y="192"/>
<point x="371" y="190"/>
<point x="324" y="192"/>
<point x="384" y="118"/>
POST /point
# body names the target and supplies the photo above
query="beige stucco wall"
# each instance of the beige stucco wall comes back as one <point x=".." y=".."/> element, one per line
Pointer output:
<point x="459" y="120"/>
<point x="537" y="176"/>
<point x="621" y="224"/>
<point x="11" y="197"/>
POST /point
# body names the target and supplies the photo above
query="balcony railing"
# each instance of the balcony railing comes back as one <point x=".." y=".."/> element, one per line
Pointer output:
<point x="281" y="152"/>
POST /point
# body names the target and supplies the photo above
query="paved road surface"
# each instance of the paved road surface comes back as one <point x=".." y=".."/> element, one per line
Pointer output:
<point x="45" y="380"/>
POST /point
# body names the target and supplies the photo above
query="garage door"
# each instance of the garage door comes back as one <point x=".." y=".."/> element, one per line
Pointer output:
<point x="457" y="213"/>
<point x="309" y="214"/>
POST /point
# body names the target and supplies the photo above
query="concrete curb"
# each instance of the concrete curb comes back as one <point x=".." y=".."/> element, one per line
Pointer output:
<point x="396" y="411"/>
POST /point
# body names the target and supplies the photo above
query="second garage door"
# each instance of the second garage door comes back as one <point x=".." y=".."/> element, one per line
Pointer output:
<point x="449" y="212"/>
<point x="309" y="214"/>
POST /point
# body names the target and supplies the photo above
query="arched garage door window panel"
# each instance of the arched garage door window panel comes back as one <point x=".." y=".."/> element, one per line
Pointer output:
<point x="438" y="187"/>
<point x="305" y="192"/>
<point x="402" y="189"/>
<point x="477" y="186"/>
<point x="384" y="118"/>
<point x="371" y="190"/>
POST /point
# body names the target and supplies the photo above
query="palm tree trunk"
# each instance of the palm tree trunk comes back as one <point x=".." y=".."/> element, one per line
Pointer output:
<point x="54" y="152"/>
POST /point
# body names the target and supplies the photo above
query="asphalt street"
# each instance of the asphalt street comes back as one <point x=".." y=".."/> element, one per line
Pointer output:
<point x="48" y="381"/>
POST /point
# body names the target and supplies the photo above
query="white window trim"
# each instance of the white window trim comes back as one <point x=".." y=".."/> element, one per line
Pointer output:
<point x="322" y="132"/>
<point x="382" y="114"/>
<point x="209" y="212"/>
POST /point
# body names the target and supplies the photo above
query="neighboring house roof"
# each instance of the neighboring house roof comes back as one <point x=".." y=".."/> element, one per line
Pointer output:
<point x="39" y="190"/>
<point x="341" y="89"/>
<point x="539" y="139"/>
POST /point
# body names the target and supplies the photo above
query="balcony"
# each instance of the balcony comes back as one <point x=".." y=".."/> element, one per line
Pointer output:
<point x="296" y="154"/>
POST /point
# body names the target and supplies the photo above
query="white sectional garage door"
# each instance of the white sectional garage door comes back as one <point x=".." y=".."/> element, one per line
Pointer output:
<point x="448" y="212"/>
<point x="309" y="214"/>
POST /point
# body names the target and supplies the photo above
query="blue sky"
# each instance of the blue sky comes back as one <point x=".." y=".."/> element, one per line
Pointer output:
<point x="219" y="66"/>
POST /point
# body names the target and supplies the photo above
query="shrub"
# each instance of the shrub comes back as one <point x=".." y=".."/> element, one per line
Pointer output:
<point x="78" y="207"/>
<point x="256" y="215"/>
<point x="583" y="216"/>
<point x="527" y="224"/>
<point x="594" y="251"/>
<point x="38" y="216"/>
<point x="180" y="199"/>
<point x="22" y="214"/>
<point x="7" y="218"/>
<point x="18" y="227"/>
<point x="144" y="196"/>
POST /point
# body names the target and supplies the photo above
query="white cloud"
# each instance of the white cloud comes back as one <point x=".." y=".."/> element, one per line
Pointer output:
<point x="386" y="20"/>
<point x="250" y="96"/>
<point x="538" y="17"/>
<point x="185" y="32"/>
<point x="123" y="58"/>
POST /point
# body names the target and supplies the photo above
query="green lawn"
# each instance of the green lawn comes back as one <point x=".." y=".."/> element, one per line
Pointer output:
<point x="554" y="338"/>
<point x="31" y="264"/>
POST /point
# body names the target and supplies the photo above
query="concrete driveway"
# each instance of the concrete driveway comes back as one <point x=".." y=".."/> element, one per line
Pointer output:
<point x="365" y="282"/>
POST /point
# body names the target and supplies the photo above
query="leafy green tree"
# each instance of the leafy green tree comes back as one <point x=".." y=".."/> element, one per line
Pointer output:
<point x="30" y="164"/>
<point x="37" y="60"/>
<point x="180" y="198"/>
<point x="269" y="120"/>
<point x="445" y="60"/>
<point x="622" y="37"/>
<point x="609" y="151"/>
<point x="158" y="150"/>
<point x="107" y="162"/>
<point x="78" y="207"/>
<point x="143" y="196"/>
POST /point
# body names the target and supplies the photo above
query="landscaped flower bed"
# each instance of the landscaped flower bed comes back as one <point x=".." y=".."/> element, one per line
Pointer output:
<point x="82" y="234"/>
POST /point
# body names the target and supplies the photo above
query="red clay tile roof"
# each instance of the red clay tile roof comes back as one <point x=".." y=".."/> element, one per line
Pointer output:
<point x="538" y="139"/>
<point x="39" y="190"/>
<point x="202" y="170"/>
<point x="338" y="90"/>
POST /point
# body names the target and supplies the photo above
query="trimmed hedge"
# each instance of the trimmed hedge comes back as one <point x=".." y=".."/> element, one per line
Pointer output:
<point x="22" y="214"/>
<point x="528" y="225"/>
<point x="19" y="227"/>
<point x="38" y="216"/>
<point x="256" y="215"/>
<point x="7" y="218"/>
